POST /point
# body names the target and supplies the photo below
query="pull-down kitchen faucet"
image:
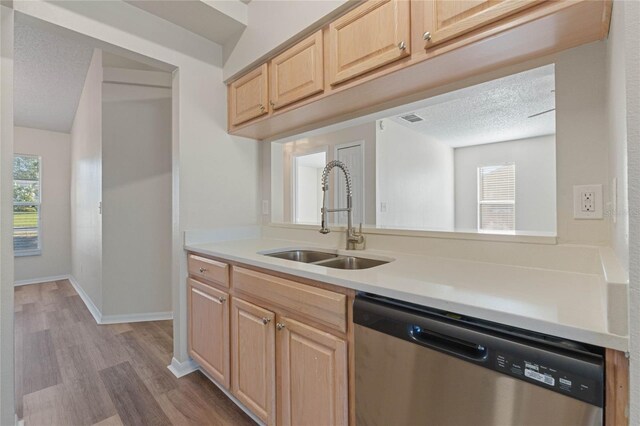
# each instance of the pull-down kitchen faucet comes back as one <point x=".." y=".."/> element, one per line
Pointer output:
<point x="355" y="239"/>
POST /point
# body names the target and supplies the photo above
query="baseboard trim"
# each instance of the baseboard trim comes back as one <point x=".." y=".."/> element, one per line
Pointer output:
<point x="97" y="315"/>
<point x="151" y="316"/>
<point x="180" y="369"/>
<point x="41" y="280"/>
<point x="116" y="319"/>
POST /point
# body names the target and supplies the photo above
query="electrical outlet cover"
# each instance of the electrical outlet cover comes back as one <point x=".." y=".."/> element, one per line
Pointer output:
<point x="587" y="201"/>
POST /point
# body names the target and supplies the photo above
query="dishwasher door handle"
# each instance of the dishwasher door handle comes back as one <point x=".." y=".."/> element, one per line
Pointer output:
<point x="448" y="344"/>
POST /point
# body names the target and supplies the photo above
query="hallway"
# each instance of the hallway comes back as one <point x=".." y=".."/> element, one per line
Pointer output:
<point x="71" y="371"/>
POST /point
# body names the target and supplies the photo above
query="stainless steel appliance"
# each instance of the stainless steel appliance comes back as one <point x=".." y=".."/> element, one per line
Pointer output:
<point x="419" y="366"/>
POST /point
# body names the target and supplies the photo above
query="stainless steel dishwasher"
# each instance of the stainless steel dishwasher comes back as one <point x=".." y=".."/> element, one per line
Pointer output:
<point x="418" y="366"/>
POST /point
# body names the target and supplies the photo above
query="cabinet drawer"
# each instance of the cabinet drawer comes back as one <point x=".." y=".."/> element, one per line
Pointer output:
<point x="324" y="306"/>
<point x="209" y="270"/>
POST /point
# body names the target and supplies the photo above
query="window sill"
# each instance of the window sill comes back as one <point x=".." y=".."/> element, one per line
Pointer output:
<point x="26" y="253"/>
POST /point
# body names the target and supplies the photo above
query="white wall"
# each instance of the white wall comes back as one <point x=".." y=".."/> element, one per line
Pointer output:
<point x="136" y="203"/>
<point x="630" y="19"/>
<point x="617" y="134"/>
<point x="205" y="159"/>
<point x="535" y="161"/>
<point x="414" y="178"/>
<point x="86" y="185"/>
<point x="273" y="23"/>
<point x="581" y="132"/>
<point x="7" y="393"/>
<point x="54" y="148"/>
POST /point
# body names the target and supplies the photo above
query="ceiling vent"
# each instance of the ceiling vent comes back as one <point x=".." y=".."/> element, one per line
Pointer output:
<point x="411" y="118"/>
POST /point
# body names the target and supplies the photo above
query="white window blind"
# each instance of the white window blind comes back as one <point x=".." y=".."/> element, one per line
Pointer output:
<point x="497" y="197"/>
<point x="26" y="205"/>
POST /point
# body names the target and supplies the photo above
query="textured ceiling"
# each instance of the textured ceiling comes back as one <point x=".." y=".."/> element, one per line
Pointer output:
<point x="49" y="75"/>
<point x="495" y="111"/>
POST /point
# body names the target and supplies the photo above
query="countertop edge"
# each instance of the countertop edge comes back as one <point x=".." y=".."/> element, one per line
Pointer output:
<point x="611" y="341"/>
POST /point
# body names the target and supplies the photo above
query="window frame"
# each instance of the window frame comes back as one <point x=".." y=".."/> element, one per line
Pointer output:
<point x="481" y="202"/>
<point x="38" y="251"/>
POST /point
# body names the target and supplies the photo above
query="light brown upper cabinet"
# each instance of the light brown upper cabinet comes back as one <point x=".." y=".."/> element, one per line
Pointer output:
<point x="297" y="73"/>
<point x="313" y="376"/>
<point x="249" y="96"/>
<point x="370" y="36"/>
<point x="208" y="310"/>
<point x="447" y="19"/>
<point x="254" y="358"/>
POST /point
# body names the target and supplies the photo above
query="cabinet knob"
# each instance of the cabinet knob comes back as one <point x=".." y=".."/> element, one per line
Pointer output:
<point x="261" y="108"/>
<point x="266" y="321"/>
<point x="203" y="270"/>
<point x="222" y="299"/>
<point x="280" y="326"/>
<point x="426" y="36"/>
<point x="402" y="45"/>
<point x="273" y="104"/>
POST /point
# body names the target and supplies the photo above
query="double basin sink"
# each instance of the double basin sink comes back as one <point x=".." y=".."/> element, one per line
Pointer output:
<point x="329" y="260"/>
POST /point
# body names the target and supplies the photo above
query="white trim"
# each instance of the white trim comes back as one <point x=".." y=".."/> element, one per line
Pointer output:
<point x="97" y="315"/>
<point x="180" y="369"/>
<point x="41" y="280"/>
<point x="144" y="317"/>
<point x="116" y="319"/>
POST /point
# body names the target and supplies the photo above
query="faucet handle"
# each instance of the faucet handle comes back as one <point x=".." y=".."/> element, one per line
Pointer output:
<point x="360" y="229"/>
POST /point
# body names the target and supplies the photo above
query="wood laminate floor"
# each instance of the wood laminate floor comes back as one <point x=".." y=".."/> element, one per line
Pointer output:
<point x="71" y="371"/>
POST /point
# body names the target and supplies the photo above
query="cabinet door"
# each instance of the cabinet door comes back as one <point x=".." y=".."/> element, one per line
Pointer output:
<point x="248" y="96"/>
<point x="297" y="73"/>
<point x="208" y="313"/>
<point x="313" y="376"/>
<point x="254" y="358"/>
<point x="446" y="19"/>
<point x="373" y="34"/>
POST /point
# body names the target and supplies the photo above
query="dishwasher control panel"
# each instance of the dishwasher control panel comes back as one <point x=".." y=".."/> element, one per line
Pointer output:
<point x="550" y="376"/>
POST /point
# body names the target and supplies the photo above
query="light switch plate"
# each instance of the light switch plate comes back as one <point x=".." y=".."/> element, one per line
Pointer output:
<point x="587" y="201"/>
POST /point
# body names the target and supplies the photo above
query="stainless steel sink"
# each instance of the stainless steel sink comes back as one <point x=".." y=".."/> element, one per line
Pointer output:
<point x="351" y="262"/>
<point x="306" y="256"/>
<point x="330" y="260"/>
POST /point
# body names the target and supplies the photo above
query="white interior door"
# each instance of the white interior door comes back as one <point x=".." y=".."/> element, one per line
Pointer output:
<point x="307" y="187"/>
<point x="353" y="156"/>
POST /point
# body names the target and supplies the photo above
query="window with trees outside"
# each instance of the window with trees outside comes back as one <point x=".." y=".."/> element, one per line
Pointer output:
<point x="497" y="197"/>
<point x="26" y="205"/>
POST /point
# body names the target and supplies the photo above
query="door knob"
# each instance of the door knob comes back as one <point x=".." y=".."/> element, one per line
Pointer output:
<point x="426" y="36"/>
<point x="402" y="45"/>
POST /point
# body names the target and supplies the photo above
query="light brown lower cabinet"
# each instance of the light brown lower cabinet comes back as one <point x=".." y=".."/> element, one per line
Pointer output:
<point x="254" y="353"/>
<point x="208" y="311"/>
<point x="311" y="367"/>
<point x="313" y="385"/>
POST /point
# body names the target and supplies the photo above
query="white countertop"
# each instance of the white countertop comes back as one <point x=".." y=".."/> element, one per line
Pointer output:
<point x="565" y="304"/>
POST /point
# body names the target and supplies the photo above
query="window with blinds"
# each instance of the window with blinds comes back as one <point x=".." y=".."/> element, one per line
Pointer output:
<point x="26" y="205"/>
<point x="497" y="197"/>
